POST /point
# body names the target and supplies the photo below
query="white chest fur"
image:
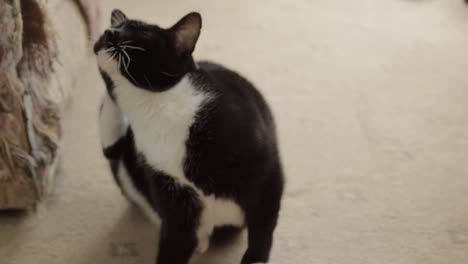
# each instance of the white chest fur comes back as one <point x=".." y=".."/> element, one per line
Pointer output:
<point x="161" y="123"/>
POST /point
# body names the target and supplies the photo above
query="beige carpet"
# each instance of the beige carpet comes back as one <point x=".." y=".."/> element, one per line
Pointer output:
<point x="371" y="99"/>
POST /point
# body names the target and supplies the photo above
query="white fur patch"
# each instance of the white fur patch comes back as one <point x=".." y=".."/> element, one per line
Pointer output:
<point x="160" y="123"/>
<point x="112" y="123"/>
<point x="134" y="195"/>
<point x="217" y="212"/>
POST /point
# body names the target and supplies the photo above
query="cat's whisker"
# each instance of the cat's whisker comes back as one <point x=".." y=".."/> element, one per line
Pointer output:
<point x="126" y="70"/>
<point x="109" y="49"/>
<point x="169" y="74"/>
<point x="120" y="59"/>
<point x="128" y="57"/>
<point x="149" y="83"/>
<point x="125" y="42"/>
<point x="111" y="57"/>
<point x="126" y="66"/>
<point x="132" y="47"/>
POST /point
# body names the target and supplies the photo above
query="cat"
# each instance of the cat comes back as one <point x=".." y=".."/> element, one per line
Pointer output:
<point x="193" y="144"/>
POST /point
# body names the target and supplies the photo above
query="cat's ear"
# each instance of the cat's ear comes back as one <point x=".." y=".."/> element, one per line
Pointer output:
<point x="117" y="17"/>
<point x="186" y="33"/>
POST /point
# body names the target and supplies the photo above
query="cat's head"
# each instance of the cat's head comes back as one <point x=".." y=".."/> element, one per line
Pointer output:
<point x="148" y="56"/>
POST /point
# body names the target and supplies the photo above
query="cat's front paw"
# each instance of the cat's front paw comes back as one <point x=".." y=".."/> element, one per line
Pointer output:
<point x="203" y="245"/>
<point x="252" y="257"/>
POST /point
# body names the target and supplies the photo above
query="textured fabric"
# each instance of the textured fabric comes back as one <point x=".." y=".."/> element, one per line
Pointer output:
<point x="10" y="33"/>
<point x="14" y="157"/>
<point x="36" y="72"/>
<point x="29" y="121"/>
<point x="16" y="164"/>
<point x="10" y="89"/>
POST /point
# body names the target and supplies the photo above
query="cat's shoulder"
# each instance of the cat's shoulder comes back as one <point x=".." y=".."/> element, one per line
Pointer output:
<point x="210" y="66"/>
<point x="217" y="71"/>
<point x="214" y="76"/>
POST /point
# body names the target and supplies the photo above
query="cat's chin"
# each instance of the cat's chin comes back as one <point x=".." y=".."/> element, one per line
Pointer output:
<point x="106" y="63"/>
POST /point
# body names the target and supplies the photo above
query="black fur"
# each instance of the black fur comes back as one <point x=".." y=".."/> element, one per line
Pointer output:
<point x="231" y="149"/>
<point x="109" y="84"/>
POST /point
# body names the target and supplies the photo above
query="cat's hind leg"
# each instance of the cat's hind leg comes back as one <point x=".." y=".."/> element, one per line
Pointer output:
<point x="261" y="222"/>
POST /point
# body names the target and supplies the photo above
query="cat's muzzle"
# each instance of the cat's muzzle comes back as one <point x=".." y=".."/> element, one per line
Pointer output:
<point x="105" y="41"/>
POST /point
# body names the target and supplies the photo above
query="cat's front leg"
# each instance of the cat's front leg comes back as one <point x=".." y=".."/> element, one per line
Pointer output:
<point x="113" y="129"/>
<point x="177" y="244"/>
<point x="112" y="124"/>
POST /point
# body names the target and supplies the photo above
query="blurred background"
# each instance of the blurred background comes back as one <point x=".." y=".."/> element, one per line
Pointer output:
<point x="371" y="104"/>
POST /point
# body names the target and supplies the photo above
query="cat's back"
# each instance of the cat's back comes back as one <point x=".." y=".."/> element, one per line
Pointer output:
<point x="238" y="120"/>
<point x="223" y="79"/>
<point x="235" y="94"/>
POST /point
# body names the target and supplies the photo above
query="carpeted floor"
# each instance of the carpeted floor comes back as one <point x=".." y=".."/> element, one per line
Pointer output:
<point x="371" y="101"/>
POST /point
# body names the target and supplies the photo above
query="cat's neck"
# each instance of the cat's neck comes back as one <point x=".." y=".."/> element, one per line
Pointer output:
<point x="177" y="104"/>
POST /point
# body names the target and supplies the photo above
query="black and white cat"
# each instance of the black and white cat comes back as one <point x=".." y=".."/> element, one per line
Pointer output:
<point x="192" y="144"/>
